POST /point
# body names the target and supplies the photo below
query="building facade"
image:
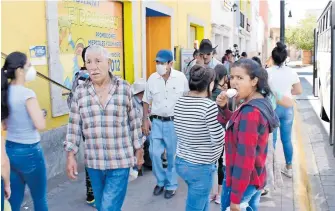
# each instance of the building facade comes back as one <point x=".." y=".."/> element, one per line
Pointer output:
<point x="265" y="15"/>
<point x="222" y="18"/>
<point x="54" y="33"/>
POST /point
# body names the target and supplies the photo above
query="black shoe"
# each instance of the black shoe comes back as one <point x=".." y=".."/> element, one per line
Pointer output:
<point x="158" y="190"/>
<point x="264" y="192"/>
<point x="169" y="194"/>
<point x="140" y="173"/>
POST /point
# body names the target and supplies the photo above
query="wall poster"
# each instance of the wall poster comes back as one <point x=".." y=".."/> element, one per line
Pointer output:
<point x="80" y="24"/>
<point x="186" y="55"/>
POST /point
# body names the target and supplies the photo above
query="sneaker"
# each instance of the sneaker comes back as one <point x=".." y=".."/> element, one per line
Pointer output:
<point x="217" y="199"/>
<point x="287" y="172"/>
<point x="264" y="192"/>
<point x="91" y="203"/>
<point x="211" y="198"/>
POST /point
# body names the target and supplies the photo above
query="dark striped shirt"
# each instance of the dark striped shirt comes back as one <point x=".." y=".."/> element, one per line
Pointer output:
<point x="200" y="135"/>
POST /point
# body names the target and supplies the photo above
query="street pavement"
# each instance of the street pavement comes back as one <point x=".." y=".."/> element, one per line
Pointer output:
<point x="312" y="187"/>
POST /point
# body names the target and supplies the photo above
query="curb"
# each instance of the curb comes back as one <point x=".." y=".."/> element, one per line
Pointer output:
<point x="303" y="197"/>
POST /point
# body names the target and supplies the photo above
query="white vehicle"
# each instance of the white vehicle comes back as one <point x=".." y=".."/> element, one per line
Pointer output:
<point x="324" y="66"/>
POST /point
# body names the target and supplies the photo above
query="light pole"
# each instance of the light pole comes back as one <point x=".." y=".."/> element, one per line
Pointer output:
<point x="282" y="21"/>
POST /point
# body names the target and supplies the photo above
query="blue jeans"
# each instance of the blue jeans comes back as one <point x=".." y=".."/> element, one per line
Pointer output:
<point x="163" y="136"/>
<point x="109" y="188"/>
<point x="251" y="197"/>
<point x="286" y="116"/>
<point x="199" y="180"/>
<point x="27" y="166"/>
<point x="2" y="195"/>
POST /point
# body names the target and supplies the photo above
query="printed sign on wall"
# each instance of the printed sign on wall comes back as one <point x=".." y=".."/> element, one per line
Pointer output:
<point x="84" y="23"/>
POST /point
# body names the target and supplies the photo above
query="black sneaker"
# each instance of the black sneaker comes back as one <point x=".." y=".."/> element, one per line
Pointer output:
<point x="169" y="194"/>
<point x="158" y="190"/>
<point x="140" y="173"/>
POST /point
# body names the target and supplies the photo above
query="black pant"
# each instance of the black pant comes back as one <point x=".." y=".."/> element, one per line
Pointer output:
<point x="89" y="190"/>
<point x="220" y="170"/>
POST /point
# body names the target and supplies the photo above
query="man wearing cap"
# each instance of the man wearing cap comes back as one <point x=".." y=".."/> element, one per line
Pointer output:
<point x="164" y="87"/>
<point x="206" y="58"/>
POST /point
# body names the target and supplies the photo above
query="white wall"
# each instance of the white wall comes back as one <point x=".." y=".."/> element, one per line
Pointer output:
<point x="261" y="35"/>
<point x="255" y="22"/>
<point x="220" y="15"/>
<point x="222" y="26"/>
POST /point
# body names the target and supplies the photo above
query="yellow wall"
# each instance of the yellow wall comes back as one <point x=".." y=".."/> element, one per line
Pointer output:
<point x="19" y="34"/>
<point x="181" y="11"/>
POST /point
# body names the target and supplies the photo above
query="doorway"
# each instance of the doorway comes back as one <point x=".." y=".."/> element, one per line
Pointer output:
<point x="158" y="36"/>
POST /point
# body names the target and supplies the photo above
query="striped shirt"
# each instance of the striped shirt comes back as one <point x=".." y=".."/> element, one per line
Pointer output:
<point x="200" y="135"/>
<point x="111" y="132"/>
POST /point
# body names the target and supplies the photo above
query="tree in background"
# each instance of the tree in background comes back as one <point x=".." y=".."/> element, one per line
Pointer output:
<point x="302" y="36"/>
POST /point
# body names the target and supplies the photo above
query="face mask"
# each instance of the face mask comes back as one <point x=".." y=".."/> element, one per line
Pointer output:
<point x="161" y="69"/>
<point x="86" y="75"/>
<point x="30" y="74"/>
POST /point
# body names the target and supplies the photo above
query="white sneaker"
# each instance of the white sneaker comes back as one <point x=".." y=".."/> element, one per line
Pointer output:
<point x="217" y="199"/>
<point x="211" y="198"/>
<point x="287" y="172"/>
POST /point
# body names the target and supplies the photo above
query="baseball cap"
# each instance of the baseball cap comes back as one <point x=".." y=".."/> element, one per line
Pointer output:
<point x="164" y="56"/>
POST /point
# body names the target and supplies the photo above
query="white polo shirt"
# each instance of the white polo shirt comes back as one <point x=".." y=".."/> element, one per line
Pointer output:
<point x="163" y="96"/>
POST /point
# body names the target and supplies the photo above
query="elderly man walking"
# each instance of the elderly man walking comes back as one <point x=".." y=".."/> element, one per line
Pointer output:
<point x="103" y="112"/>
<point x="164" y="87"/>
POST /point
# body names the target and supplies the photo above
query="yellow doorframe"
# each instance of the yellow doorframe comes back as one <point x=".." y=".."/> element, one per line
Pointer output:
<point x="129" y="71"/>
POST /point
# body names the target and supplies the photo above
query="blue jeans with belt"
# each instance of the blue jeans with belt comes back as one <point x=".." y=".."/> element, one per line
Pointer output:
<point x="27" y="167"/>
<point x="163" y="136"/>
<point x="109" y="188"/>
<point x="199" y="180"/>
<point x="286" y="116"/>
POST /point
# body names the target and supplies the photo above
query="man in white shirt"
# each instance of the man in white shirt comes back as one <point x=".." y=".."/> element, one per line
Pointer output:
<point x="163" y="89"/>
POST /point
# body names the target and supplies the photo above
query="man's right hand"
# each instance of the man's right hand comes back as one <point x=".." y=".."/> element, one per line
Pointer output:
<point x="146" y="126"/>
<point x="71" y="166"/>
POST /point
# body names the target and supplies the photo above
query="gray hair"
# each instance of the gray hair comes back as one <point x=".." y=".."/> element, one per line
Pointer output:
<point x="97" y="49"/>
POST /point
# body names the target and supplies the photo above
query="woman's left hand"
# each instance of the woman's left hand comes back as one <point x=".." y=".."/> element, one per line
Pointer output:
<point x="234" y="207"/>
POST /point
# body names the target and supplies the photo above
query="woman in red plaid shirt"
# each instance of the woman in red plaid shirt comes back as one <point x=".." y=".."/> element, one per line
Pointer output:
<point x="247" y="134"/>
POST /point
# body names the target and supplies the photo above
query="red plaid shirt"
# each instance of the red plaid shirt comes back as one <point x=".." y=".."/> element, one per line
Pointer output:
<point x="246" y="146"/>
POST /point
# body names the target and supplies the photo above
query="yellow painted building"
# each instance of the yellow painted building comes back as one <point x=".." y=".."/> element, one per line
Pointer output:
<point x="133" y="31"/>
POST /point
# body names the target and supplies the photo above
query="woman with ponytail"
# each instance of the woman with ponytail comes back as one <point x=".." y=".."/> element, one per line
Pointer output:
<point x="285" y="81"/>
<point x="23" y="118"/>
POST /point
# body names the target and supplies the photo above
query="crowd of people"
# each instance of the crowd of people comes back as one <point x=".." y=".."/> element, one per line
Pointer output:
<point x="213" y="124"/>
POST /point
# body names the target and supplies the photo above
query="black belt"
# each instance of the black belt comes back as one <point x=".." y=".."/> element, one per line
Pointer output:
<point x="162" y="118"/>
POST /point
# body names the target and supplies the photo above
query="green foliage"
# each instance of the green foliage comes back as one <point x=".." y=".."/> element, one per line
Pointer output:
<point x="302" y="36"/>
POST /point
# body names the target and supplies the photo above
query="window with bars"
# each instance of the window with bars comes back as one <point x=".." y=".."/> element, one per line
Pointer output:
<point x="242" y="17"/>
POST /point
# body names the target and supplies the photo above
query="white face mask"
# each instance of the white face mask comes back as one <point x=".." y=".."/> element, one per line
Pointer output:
<point x="30" y="74"/>
<point x="161" y="69"/>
